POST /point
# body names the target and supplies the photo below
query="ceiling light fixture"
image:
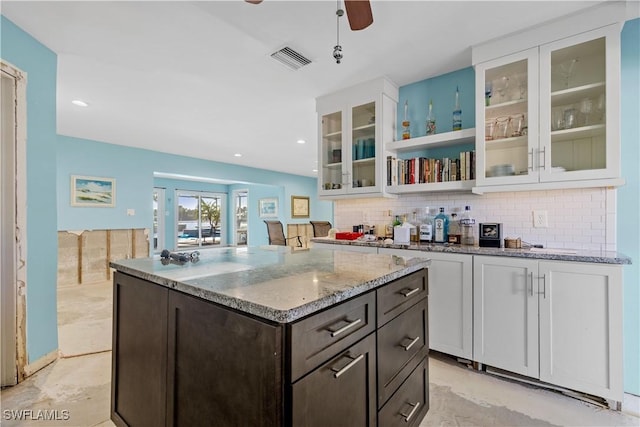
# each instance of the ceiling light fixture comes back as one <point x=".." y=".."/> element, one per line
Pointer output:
<point x="238" y="155"/>
<point x="337" y="49"/>
<point x="79" y="103"/>
<point x="301" y="141"/>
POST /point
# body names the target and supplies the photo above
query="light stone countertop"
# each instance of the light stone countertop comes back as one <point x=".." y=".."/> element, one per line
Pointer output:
<point x="274" y="283"/>
<point x="574" y="255"/>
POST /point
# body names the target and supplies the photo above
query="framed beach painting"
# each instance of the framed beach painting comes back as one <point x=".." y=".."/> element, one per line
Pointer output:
<point x="91" y="191"/>
<point x="268" y="208"/>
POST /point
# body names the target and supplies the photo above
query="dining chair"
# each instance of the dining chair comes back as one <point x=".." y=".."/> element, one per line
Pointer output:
<point x="320" y="228"/>
<point x="275" y="230"/>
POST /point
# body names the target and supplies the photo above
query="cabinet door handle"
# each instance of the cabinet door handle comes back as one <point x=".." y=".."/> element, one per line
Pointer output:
<point x="408" y="292"/>
<point x="544" y="286"/>
<point x="531" y="154"/>
<point x="531" y="290"/>
<point x="413" y="341"/>
<point x="408" y="416"/>
<point x="544" y="160"/>
<point x="354" y="360"/>
<point x="345" y="328"/>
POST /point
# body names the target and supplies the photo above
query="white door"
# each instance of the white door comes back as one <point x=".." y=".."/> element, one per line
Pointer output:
<point x="505" y="303"/>
<point x="581" y="327"/>
<point x="159" y="215"/>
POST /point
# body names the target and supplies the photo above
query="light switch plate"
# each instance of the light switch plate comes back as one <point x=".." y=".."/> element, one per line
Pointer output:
<point x="131" y="212"/>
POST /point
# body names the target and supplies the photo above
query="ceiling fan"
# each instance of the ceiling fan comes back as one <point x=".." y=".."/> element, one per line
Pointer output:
<point x="358" y="13"/>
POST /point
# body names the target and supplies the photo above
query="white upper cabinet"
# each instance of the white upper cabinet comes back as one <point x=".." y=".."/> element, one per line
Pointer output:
<point x="353" y="124"/>
<point x="547" y="116"/>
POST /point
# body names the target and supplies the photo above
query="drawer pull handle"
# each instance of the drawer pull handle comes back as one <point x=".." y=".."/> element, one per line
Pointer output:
<point x="338" y="372"/>
<point x="413" y="341"/>
<point x="407" y="417"/>
<point x="345" y="328"/>
<point x="409" y="292"/>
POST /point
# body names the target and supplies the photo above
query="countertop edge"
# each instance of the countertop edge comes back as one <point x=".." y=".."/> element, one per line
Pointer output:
<point x="579" y="256"/>
<point x="269" y="313"/>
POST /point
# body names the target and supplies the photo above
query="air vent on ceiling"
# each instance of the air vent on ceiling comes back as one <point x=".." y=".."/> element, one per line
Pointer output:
<point x="291" y="58"/>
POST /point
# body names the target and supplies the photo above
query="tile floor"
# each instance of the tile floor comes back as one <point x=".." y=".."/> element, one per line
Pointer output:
<point x="77" y="386"/>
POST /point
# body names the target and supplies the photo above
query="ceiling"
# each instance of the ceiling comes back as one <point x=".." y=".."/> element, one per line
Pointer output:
<point x="197" y="79"/>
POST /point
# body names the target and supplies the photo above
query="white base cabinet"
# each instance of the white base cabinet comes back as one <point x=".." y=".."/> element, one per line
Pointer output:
<point x="450" y="301"/>
<point x="560" y="322"/>
<point x="581" y="327"/>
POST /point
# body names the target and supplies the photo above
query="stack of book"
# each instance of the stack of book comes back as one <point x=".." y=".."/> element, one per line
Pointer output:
<point x="424" y="170"/>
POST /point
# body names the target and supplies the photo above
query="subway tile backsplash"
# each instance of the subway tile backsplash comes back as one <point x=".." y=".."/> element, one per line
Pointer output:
<point x="578" y="218"/>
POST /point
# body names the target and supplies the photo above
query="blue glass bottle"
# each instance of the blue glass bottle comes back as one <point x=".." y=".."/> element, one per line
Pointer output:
<point x="441" y="227"/>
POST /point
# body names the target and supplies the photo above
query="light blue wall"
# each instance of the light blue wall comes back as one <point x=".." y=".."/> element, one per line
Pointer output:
<point x="26" y="53"/>
<point x="629" y="201"/>
<point x="133" y="170"/>
<point x="442" y="90"/>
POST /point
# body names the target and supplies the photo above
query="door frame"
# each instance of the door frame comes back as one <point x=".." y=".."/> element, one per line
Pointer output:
<point x="13" y="261"/>
<point x="234" y="226"/>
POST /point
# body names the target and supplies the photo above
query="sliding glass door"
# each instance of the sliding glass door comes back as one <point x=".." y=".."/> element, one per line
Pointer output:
<point x="200" y="219"/>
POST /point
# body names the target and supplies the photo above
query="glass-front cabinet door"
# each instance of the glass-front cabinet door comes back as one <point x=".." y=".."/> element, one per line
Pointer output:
<point x="507" y="108"/>
<point x="579" y="107"/>
<point x="348" y="151"/>
<point x="363" y="147"/>
<point x="331" y="155"/>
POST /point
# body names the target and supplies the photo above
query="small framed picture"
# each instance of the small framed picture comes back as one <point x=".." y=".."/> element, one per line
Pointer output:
<point x="299" y="207"/>
<point x="268" y="208"/>
<point x="90" y="191"/>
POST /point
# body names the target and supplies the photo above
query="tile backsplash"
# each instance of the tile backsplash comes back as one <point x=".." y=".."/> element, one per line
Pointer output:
<point x="578" y="218"/>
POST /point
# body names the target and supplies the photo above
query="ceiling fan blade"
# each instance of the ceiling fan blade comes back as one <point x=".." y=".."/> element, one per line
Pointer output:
<point x="359" y="14"/>
<point x="254" y="1"/>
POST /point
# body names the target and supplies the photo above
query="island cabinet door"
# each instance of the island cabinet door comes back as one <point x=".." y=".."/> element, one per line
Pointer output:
<point x="139" y="352"/>
<point x="341" y="392"/>
<point x="224" y="368"/>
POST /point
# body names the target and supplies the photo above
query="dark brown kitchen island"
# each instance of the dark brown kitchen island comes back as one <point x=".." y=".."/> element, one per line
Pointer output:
<point x="264" y="337"/>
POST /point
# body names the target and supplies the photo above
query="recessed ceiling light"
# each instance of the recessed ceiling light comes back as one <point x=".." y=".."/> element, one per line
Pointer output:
<point x="314" y="170"/>
<point x="79" y="103"/>
<point x="301" y="141"/>
<point x="238" y="155"/>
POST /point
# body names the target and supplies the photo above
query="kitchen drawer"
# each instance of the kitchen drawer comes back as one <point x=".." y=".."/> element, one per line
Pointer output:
<point x="402" y="344"/>
<point x="409" y="405"/>
<point x="341" y="392"/>
<point x="397" y="296"/>
<point x="321" y="336"/>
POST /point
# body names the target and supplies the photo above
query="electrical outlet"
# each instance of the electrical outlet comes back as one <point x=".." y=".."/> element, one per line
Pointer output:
<point x="540" y="219"/>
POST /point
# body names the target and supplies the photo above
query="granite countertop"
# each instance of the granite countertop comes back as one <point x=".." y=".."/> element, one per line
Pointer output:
<point x="575" y="255"/>
<point x="274" y="283"/>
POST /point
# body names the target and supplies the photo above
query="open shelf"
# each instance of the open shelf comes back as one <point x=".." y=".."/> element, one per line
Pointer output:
<point x="433" y="141"/>
<point x="432" y="186"/>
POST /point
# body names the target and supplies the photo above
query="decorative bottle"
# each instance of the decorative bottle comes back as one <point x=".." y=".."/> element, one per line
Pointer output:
<point x="426" y="227"/>
<point x="413" y="233"/>
<point x="441" y="227"/>
<point x="457" y="113"/>
<point x="453" y="234"/>
<point x="431" y="120"/>
<point x="406" y="134"/>
<point x="467" y="224"/>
